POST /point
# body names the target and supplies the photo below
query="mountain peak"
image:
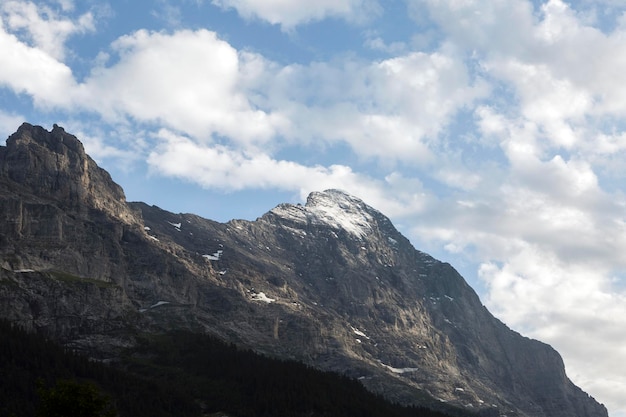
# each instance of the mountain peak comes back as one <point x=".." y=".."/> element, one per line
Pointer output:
<point x="57" y="140"/>
<point x="333" y="208"/>
<point x="333" y="197"/>
<point x="53" y="164"/>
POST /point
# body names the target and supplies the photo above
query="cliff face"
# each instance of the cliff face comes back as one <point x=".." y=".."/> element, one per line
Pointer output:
<point x="331" y="283"/>
<point x="54" y="165"/>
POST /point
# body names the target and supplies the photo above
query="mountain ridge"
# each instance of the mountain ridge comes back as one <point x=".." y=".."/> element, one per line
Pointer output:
<point x="331" y="283"/>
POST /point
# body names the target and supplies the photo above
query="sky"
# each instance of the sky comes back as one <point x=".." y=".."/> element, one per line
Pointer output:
<point x="491" y="132"/>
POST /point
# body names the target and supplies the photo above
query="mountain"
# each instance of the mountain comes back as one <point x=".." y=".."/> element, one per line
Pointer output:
<point x="330" y="283"/>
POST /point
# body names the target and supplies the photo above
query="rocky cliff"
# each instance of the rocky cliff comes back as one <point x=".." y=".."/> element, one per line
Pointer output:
<point x="331" y="283"/>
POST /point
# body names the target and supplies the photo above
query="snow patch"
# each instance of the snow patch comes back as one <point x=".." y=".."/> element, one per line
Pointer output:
<point x="159" y="303"/>
<point x="176" y="225"/>
<point x="359" y="333"/>
<point x="331" y="208"/>
<point x="153" y="238"/>
<point x="21" y="271"/>
<point x="262" y="297"/>
<point x="399" y="370"/>
<point x="214" y="257"/>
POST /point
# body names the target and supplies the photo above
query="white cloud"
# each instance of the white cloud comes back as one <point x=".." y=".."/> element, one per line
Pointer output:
<point x="290" y="13"/>
<point x="218" y="167"/>
<point x="171" y="15"/>
<point x="189" y="81"/>
<point x="8" y="123"/>
<point x="66" y="5"/>
<point x="458" y="177"/>
<point x="548" y="230"/>
<point x="391" y="110"/>
<point x="223" y="168"/>
<point x="555" y="105"/>
<point x="198" y="84"/>
<point x="561" y="72"/>
<point x="494" y="26"/>
<point x="375" y="42"/>
<point x="32" y="71"/>
<point x="124" y="152"/>
<point x="44" y="28"/>
<point x="552" y="241"/>
<point x="570" y="305"/>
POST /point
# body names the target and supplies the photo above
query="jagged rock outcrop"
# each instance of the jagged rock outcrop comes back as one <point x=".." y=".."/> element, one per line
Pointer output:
<point x="54" y="165"/>
<point x="331" y="283"/>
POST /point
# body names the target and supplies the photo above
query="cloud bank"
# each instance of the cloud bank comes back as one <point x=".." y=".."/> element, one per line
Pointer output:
<point x="291" y="13"/>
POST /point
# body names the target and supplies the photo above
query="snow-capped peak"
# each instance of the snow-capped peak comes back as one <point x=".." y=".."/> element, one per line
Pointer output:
<point x="334" y="208"/>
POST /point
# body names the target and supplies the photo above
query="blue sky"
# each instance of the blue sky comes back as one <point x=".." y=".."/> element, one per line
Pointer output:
<point x="492" y="132"/>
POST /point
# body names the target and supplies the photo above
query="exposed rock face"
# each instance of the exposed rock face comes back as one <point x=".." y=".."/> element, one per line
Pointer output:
<point x="54" y="165"/>
<point x="331" y="283"/>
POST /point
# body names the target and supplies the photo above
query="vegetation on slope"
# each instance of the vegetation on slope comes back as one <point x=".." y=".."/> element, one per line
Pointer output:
<point x="179" y="374"/>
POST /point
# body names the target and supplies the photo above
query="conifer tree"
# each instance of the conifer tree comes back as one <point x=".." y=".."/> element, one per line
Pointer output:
<point x="74" y="399"/>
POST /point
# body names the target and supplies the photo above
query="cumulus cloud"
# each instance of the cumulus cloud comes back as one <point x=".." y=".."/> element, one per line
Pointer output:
<point x="188" y="80"/>
<point x="404" y="102"/>
<point x="553" y="245"/>
<point x="290" y="13"/>
<point x="218" y="167"/>
<point x="550" y="243"/>
<point x="571" y="305"/>
<point x="43" y="28"/>
<point x="198" y="84"/>
<point x="32" y="71"/>
<point x="538" y="53"/>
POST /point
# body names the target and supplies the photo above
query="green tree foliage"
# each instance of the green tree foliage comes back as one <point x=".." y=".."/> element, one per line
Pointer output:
<point x="70" y="398"/>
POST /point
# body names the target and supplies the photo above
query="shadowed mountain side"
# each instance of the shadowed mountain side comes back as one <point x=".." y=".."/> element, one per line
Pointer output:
<point x="176" y="374"/>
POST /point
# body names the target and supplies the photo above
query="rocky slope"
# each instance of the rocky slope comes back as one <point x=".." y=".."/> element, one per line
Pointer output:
<point x="331" y="283"/>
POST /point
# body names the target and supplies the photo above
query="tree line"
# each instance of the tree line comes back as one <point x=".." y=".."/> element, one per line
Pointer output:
<point x="177" y="374"/>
